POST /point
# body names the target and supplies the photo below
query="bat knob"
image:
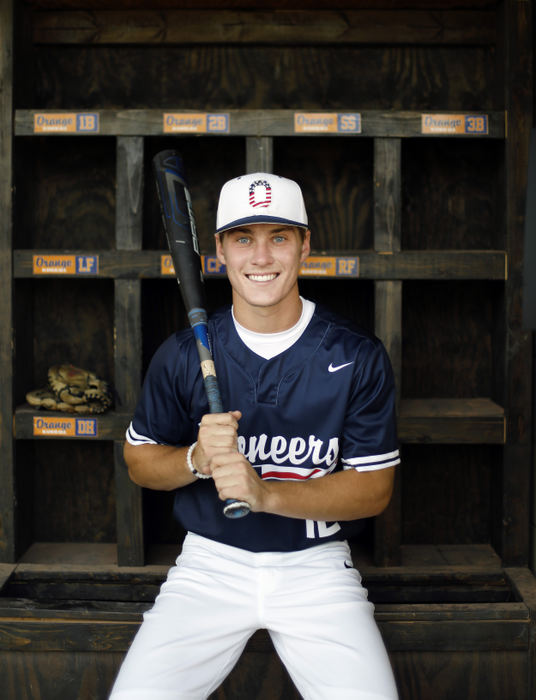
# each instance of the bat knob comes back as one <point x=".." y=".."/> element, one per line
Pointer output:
<point x="235" y="509"/>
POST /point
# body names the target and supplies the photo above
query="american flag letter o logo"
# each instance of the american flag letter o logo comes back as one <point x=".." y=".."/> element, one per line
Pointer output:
<point x="260" y="194"/>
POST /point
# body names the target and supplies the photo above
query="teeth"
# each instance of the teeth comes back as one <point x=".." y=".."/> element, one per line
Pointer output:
<point x="262" y="278"/>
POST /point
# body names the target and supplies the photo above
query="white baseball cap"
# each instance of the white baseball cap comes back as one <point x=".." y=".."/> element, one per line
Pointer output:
<point x="260" y="198"/>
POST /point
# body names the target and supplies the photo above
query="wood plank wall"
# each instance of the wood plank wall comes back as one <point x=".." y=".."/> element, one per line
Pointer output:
<point x="450" y="195"/>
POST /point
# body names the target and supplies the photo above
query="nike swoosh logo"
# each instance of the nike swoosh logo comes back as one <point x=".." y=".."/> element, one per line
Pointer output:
<point x="331" y="368"/>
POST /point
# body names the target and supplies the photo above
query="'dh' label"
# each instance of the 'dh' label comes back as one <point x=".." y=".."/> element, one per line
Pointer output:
<point x="44" y="426"/>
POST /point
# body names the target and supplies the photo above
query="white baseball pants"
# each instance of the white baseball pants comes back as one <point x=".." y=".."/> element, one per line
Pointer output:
<point x="311" y="602"/>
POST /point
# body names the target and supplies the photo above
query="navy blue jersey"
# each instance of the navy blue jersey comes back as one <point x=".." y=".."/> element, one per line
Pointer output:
<point x="325" y="404"/>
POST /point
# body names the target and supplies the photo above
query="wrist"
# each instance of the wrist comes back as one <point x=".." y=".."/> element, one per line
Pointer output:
<point x="191" y="465"/>
<point x="270" y="497"/>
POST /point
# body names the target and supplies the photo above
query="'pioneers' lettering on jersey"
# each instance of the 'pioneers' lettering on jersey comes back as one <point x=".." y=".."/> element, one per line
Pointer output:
<point x="295" y="451"/>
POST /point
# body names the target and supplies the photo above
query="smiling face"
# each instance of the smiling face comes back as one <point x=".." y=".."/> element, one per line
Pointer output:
<point x="263" y="261"/>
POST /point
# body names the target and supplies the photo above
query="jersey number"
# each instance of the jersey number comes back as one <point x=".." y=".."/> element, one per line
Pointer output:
<point x="319" y="528"/>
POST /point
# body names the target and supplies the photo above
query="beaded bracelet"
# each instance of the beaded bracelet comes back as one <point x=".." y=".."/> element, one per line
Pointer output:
<point x="190" y="464"/>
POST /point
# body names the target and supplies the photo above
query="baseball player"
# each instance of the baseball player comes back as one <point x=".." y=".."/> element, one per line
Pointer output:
<point x="309" y="442"/>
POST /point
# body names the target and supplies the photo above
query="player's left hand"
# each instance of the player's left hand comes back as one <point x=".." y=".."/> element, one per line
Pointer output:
<point x="234" y="477"/>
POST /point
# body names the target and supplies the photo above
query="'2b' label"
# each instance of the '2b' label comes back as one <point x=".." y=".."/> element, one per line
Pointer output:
<point x="195" y="123"/>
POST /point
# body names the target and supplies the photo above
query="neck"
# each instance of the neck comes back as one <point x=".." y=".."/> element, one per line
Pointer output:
<point x="268" y="319"/>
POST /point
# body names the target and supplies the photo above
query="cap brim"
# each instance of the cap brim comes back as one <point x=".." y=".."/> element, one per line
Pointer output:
<point x="260" y="220"/>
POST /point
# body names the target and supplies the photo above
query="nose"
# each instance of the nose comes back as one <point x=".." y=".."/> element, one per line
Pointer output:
<point x="261" y="252"/>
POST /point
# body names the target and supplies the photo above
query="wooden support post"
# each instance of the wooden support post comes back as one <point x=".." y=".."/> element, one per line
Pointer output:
<point x="513" y="521"/>
<point x="7" y="460"/>
<point x="388" y="316"/>
<point x="259" y="154"/>
<point x="128" y="350"/>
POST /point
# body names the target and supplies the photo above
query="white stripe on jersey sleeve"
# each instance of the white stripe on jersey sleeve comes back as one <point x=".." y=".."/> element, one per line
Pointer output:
<point x="372" y="462"/>
<point x="135" y="438"/>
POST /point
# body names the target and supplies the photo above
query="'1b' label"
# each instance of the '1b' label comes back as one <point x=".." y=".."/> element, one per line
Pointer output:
<point x="66" y="123"/>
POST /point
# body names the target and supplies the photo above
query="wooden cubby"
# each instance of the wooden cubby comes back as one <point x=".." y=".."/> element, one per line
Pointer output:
<point x="424" y="232"/>
<point x="136" y="300"/>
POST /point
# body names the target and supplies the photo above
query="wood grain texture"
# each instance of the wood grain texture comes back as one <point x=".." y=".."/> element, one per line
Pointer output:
<point x="518" y="358"/>
<point x="451" y="487"/>
<point x="448" y="339"/>
<point x="7" y="500"/>
<point x="71" y="191"/>
<point x="457" y="185"/>
<point x="269" y="4"/>
<point x="265" y="77"/>
<point x="274" y="27"/>
<point x="72" y="491"/>
<point x="336" y="179"/>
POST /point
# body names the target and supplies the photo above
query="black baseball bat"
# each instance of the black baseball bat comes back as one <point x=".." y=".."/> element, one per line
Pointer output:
<point x="179" y="225"/>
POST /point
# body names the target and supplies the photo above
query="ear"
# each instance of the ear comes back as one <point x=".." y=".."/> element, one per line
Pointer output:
<point x="219" y="249"/>
<point x="306" y="246"/>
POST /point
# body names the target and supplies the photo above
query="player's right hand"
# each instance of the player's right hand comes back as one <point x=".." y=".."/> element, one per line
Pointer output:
<point x="218" y="434"/>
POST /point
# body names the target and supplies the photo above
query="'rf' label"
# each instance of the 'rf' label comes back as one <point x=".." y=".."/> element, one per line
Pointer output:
<point x="65" y="264"/>
<point x="188" y="123"/>
<point x="64" y="427"/>
<point x="336" y="266"/>
<point x="64" y="123"/>
<point x="339" y="123"/>
<point x="469" y="124"/>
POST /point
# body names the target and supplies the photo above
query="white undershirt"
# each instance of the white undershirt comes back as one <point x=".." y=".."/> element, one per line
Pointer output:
<point x="269" y="345"/>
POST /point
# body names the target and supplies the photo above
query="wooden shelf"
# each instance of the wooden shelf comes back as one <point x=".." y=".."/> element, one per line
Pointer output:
<point x="265" y="122"/>
<point x="478" y="420"/>
<point x="461" y="421"/>
<point x="365" y="264"/>
<point x="31" y="423"/>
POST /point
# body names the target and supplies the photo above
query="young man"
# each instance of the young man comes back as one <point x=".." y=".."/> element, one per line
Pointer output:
<point x="309" y="441"/>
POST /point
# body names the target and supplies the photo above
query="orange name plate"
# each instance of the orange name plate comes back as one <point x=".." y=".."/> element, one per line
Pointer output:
<point x="64" y="427"/>
<point x="331" y="122"/>
<point x="210" y="265"/>
<point x="201" y="123"/>
<point x="166" y="265"/>
<point x="50" y="264"/>
<point x="454" y="124"/>
<point x="322" y="266"/>
<point x="66" y="123"/>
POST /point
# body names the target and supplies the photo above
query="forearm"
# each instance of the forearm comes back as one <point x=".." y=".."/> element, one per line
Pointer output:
<point x="347" y="495"/>
<point x="160" y="467"/>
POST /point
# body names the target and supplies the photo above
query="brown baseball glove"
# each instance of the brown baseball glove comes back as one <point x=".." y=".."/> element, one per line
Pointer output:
<point x="73" y="390"/>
